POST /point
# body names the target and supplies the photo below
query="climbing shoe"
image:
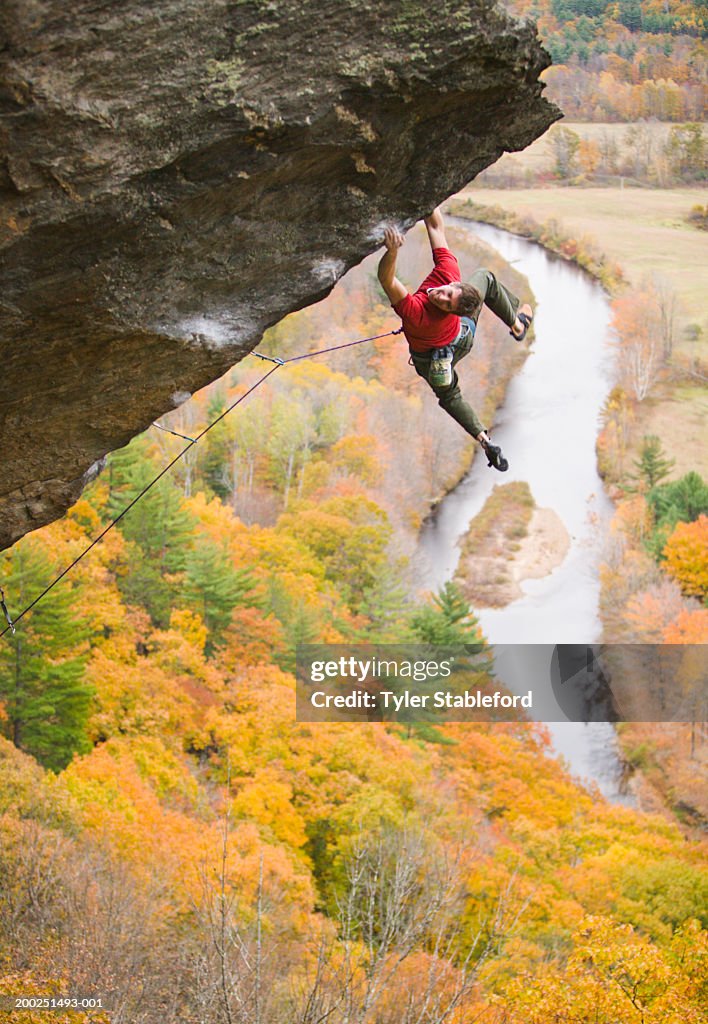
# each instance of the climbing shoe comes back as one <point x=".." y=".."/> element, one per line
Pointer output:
<point x="495" y="457"/>
<point x="526" y="320"/>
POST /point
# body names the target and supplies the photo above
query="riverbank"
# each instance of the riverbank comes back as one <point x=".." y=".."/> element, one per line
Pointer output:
<point x="664" y="767"/>
<point x="547" y="430"/>
<point x="645" y="231"/>
<point x="551" y="234"/>
<point x="511" y="540"/>
<point x="626" y="237"/>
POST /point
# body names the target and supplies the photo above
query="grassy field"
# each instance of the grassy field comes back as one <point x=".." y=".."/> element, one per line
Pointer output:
<point x="645" y="231"/>
<point x="678" y="415"/>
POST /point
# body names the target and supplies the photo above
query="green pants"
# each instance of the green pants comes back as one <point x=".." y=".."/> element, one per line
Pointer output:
<point x="501" y="302"/>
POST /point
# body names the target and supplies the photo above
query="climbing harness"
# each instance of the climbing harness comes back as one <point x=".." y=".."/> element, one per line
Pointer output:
<point x="440" y="372"/>
<point x="192" y="441"/>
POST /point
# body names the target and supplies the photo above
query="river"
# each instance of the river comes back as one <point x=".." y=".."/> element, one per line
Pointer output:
<point x="547" y="429"/>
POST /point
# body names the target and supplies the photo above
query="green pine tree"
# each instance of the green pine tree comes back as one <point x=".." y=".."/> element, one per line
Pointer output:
<point x="384" y="604"/>
<point x="301" y="624"/>
<point x="42" y="665"/>
<point x="681" y="500"/>
<point x="158" y="529"/>
<point x="630" y="14"/>
<point x="448" y="622"/>
<point x="652" y="465"/>
<point x="213" y="587"/>
<point x="215" y="462"/>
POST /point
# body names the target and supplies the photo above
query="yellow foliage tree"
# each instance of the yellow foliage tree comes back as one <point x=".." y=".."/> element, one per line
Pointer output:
<point x="613" y="974"/>
<point x="266" y="800"/>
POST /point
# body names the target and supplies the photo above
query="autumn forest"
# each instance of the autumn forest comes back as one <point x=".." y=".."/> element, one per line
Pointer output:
<point x="174" y="842"/>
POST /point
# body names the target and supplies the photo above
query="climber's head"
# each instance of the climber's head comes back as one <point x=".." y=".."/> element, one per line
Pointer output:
<point x="456" y="297"/>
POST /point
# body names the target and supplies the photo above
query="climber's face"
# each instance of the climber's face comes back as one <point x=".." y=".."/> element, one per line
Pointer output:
<point x="446" y="297"/>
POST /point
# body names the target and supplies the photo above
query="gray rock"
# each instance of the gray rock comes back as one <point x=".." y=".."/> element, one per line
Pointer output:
<point x="176" y="177"/>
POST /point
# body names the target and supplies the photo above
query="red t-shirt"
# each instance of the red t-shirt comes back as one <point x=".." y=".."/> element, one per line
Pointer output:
<point x="424" y="325"/>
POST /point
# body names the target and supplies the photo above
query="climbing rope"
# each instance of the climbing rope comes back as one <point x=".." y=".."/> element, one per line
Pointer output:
<point x="336" y="348"/>
<point x="192" y="441"/>
<point x="174" y="433"/>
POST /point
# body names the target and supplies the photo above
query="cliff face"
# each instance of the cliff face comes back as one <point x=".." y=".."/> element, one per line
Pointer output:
<point x="176" y="177"/>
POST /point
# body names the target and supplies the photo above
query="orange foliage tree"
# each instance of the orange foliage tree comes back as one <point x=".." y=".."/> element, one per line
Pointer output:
<point x="686" y="554"/>
<point x="689" y="627"/>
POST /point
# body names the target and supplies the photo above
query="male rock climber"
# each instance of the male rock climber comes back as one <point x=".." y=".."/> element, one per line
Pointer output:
<point x="442" y="316"/>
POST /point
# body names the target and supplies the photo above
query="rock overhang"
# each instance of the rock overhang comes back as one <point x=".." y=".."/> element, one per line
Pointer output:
<point x="175" y="180"/>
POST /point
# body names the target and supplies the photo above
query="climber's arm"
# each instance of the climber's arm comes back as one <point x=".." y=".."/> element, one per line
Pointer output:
<point x="435" y="226"/>
<point x="395" y="290"/>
